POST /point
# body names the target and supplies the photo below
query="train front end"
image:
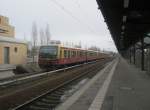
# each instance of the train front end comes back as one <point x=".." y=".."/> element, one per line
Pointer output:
<point x="48" y="56"/>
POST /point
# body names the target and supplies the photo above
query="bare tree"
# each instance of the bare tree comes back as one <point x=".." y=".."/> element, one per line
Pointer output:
<point x="47" y="34"/>
<point x="42" y="37"/>
<point x="95" y="48"/>
<point x="78" y="45"/>
<point x="72" y="44"/>
<point x="34" y="39"/>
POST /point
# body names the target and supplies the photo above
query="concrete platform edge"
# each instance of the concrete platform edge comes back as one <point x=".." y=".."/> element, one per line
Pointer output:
<point x="98" y="101"/>
<point x="75" y="96"/>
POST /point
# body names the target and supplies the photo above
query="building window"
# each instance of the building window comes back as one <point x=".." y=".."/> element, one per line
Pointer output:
<point x="16" y="49"/>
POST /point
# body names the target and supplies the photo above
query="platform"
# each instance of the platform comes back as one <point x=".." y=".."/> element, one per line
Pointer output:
<point x="129" y="89"/>
<point x="119" y="86"/>
<point x="6" y="70"/>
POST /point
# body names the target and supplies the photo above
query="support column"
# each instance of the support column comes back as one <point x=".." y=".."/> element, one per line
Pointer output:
<point x="130" y="52"/>
<point x="142" y="56"/>
<point x="134" y="54"/>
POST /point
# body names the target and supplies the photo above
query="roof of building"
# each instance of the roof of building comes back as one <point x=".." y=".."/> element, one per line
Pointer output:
<point x="11" y="40"/>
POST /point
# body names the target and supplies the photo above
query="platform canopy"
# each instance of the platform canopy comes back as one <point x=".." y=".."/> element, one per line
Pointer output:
<point x="127" y="20"/>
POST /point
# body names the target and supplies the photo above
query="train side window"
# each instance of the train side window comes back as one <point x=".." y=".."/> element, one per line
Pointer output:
<point x="88" y="53"/>
<point x="74" y="53"/>
<point x="71" y="53"/>
<point x="65" y="53"/>
<point x="84" y="53"/>
<point x="15" y="49"/>
<point x="60" y="53"/>
<point x="68" y="53"/>
<point x="80" y="53"/>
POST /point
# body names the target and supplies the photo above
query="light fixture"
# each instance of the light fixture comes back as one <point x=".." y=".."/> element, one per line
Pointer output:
<point x="124" y="18"/>
<point x="126" y="3"/>
<point x="121" y="37"/>
<point x="123" y="27"/>
<point x="148" y="34"/>
<point x="122" y="33"/>
<point x="135" y="14"/>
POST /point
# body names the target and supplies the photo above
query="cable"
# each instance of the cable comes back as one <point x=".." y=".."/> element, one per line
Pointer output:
<point x="84" y="13"/>
<point x="70" y="14"/>
<point x="79" y="6"/>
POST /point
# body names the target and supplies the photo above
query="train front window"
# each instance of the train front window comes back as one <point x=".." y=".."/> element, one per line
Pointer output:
<point x="48" y="51"/>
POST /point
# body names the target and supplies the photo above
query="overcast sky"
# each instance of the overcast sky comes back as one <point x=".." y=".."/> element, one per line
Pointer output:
<point x="69" y="20"/>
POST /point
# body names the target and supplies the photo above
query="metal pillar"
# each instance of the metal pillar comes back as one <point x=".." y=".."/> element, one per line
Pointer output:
<point x="142" y="56"/>
<point x="130" y="54"/>
<point x="134" y="54"/>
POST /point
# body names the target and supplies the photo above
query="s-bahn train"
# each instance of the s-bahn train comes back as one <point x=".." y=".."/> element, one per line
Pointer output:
<point x="57" y="56"/>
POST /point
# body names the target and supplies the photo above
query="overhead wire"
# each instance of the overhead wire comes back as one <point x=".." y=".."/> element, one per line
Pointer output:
<point x="73" y="16"/>
<point x="84" y="13"/>
<point x="79" y="6"/>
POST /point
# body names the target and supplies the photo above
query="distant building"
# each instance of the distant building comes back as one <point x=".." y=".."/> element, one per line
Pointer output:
<point x="6" y="29"/>
<point x="12" y="51"/>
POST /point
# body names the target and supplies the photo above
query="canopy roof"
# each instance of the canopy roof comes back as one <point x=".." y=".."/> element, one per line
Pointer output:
<point x="127" y="20"/>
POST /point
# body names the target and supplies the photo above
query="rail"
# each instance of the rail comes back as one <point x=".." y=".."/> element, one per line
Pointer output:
<point x="4" y="83"/>
<point x="56" y="89"/>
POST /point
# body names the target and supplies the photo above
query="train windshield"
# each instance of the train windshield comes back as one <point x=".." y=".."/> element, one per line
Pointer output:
<point x="48" y="51"/>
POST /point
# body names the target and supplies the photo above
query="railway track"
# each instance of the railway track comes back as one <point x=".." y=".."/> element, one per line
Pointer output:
<point x="19" y="80"/>
<point x="16" y="94"/>
<point x="52" y="98"/>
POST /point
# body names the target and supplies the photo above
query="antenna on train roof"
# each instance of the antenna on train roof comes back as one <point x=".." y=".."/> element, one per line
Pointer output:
<point x="54" y="42"/>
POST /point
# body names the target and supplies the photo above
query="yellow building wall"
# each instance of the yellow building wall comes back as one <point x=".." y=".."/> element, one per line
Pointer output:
<point x="19" y="57"/>
<point x="4" y="20"/>
<point x="8" y="30"/>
